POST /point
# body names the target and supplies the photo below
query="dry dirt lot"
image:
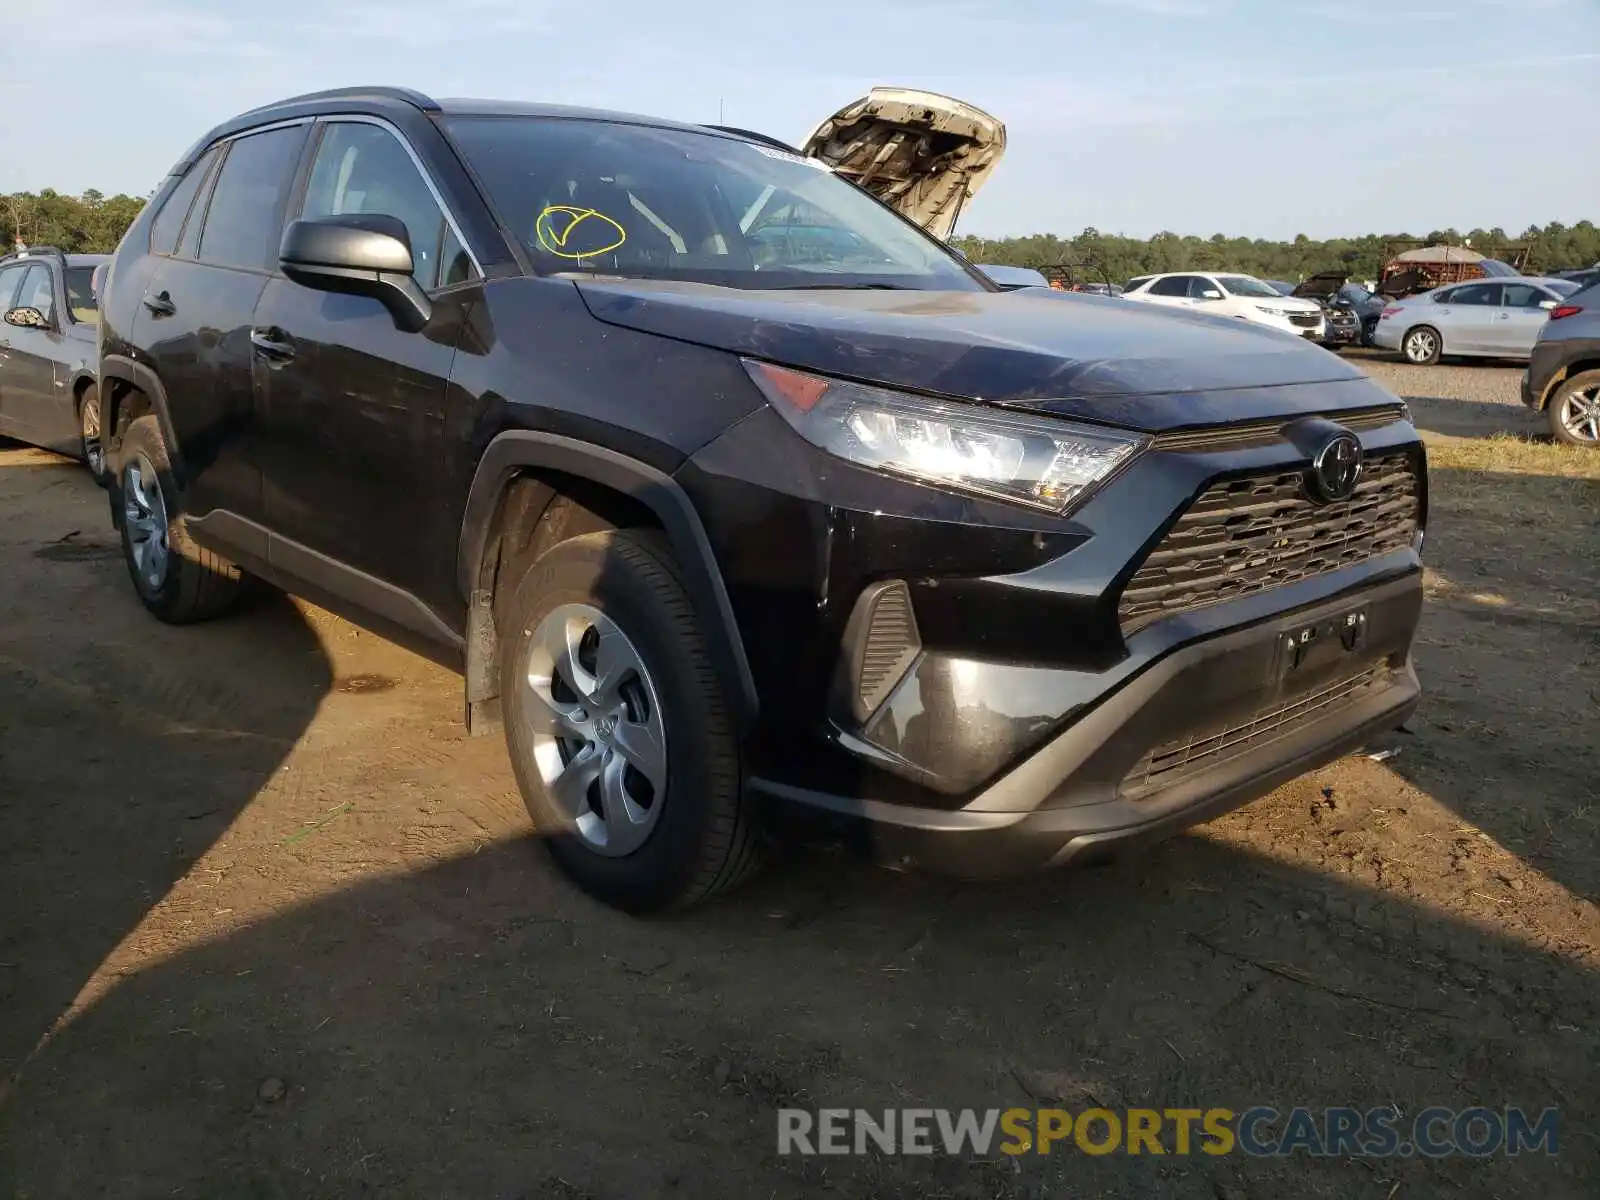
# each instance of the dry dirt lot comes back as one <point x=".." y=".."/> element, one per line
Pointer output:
<point x="271" y="926"/>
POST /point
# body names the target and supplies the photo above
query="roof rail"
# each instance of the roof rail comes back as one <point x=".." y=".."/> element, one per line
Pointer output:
<point x="405" y="95"/>
<point x="35" y="252"/>
<point x="763" y="138"/>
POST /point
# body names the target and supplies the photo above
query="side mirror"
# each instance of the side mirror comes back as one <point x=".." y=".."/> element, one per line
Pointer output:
<point x="28" y="318"/>
<point x="1547" y="305"/>
<point x="1211" y="294"/>
<point x="359" y="255"/>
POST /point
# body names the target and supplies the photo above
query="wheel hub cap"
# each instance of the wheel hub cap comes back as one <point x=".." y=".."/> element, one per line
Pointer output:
<point x="1580" y="414"/>
<point x="144" y="515"/>
<point x="599" y="739"/>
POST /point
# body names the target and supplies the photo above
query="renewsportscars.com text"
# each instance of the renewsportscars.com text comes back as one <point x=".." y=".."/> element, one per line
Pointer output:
<point x="1257" y="1132"/>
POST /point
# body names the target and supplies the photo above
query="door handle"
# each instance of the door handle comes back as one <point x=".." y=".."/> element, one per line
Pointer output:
<point x="160" y="304"/>
<point x="272" y="344"/>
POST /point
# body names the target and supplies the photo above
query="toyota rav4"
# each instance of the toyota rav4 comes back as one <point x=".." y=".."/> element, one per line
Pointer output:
<point x="735" y="495"/>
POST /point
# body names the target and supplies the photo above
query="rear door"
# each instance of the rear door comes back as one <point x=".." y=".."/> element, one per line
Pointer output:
<point x="1172" y="291"/>
<point x="1521" y="317"/>
<point x="198" y="311"/>
<point x="11" y="390"/>
<point x="1466" y="318"/>
<point x="351" y="409"/>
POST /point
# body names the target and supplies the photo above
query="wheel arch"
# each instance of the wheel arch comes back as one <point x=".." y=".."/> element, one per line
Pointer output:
<point x="121" y="379"/>
<point x="1576" y="367"/>
<point x="519" y="475"/>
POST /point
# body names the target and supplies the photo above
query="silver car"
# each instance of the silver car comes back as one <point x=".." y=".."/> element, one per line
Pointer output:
<point x="1495" y="318"/>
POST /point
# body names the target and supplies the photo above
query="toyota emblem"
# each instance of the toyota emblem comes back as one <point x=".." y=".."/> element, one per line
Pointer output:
<point x="1336" y="469"/>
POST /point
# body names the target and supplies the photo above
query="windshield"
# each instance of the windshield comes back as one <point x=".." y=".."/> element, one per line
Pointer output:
<point x="1243" y="285"/>
<point x="629" y="200"/>
<point x="80" y="295"/>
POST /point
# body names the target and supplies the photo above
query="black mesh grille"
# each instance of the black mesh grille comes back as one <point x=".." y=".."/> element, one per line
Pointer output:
<point x="1249" y="535"/>
<point x="1178" y="760"/>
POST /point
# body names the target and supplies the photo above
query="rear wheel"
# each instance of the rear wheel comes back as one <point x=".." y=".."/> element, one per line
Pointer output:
<point x="1422" y="346"/>
<point x="1575" y="411"/>
<point x="177" y="580"/>
<point x="618" y="731"/>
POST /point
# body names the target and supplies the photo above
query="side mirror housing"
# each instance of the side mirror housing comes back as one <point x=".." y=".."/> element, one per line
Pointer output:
<point x="26" y="318"/>
<point x="1547" y="305"/>
<point x="359" y="255"/>
<point x="1211" y="294"/>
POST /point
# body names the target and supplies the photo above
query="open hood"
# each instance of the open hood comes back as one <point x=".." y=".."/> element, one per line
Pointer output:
<point x="923" y="154"/>
<point x="1318" y="286"/>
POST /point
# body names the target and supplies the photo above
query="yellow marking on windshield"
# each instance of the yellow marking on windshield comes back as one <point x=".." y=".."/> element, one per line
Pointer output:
<point x="556" y="224"/>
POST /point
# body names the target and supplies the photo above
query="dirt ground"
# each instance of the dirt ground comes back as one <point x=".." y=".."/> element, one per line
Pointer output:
<point x="272" y="926"/>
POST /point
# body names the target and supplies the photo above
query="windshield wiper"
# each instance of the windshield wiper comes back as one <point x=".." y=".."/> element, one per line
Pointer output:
<point x="846" y="287"/>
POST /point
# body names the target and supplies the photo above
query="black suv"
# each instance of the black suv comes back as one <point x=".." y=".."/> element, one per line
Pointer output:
<point x="47" y="352"/>
<point x="722" y="533"/>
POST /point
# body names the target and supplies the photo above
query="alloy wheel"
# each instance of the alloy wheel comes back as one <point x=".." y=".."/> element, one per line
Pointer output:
<point x="1580" y="414"/>
<point x="599" y="739"/>
<point x="1421" y="345"/>
<point x="144" y="514"/>
<point x="94" y="454"/>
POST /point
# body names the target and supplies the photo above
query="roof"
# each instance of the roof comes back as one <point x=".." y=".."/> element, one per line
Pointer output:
<point x="42" y="252"/>
<point x="392" y="99"/>
<point x="1439" y="254"/>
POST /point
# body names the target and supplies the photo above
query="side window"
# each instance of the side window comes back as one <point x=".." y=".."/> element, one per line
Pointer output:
<point x="363" y="168"/>
<point x="9" y="278"/>
<point x="1172" y="285"/>
<point x="189" y="243"/>
<point x="164" y="232"/>
<point x="1199" y="286"/>
<point x="1475" y="294"/>
<point x="1523" y="295"/>
<point x="38" y="291"/>
<point x="244" y="220"/>
<point x="1136" y="282"/>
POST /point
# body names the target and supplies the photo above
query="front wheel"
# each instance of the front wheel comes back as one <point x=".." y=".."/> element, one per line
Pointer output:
<point x="618" y="730"/>
<point x="1422" y="346"/>
<point x="93" y="449"/>
<point x="1575" y="411"/>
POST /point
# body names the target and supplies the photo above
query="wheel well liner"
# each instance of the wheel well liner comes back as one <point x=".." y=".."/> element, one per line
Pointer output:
<point x="517" y="451"/>
<point x="118" y="368"/>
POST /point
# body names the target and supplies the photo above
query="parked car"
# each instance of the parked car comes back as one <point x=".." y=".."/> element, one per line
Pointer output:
<point x="1563" y="375"/>
<point x="1240" y="296"/>
<point x="864" y="542"/>
<point x="1351" y="309"/>
<point x="1011" y="278"/>
<point x="1281" y="286"/>
<point x="1497" y="318"/>
<point x="47" y="352"/>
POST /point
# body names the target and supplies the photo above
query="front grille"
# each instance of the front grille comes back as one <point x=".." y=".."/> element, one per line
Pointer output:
<point x="1249" y="535"/>
<point x="1306" y="320"/>
<point x="1178" y="760"/>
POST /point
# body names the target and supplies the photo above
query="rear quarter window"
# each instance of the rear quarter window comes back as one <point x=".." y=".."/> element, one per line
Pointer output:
<point x="169" y="221"/>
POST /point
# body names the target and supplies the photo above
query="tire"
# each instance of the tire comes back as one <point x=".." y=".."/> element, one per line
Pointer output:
<point x="178" y="581"/>
<point x="89" y="440"/>
<point x="1574" y="411"/>
<point x="684" y="830"/>
<point x="1421" y="346"/>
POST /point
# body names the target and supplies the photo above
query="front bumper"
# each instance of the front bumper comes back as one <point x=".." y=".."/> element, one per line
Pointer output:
<point x="1342" y="335"/>
<point x="1207" y="728"/>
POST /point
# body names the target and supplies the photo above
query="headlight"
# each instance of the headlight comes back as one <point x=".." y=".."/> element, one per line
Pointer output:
<point x="1271" y="311"/>
<point x="1039" y="462"/>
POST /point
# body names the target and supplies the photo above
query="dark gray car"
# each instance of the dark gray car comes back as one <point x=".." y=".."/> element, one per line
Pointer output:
<point x="51" y="318"/>
<point x="1563" y="375"/>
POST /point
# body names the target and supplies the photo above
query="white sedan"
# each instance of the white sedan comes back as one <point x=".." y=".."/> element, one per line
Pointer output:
<point x="1497" y="318"/>
<point x="1240" y="296"/>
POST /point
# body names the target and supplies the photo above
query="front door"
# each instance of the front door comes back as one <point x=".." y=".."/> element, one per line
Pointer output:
<point x="351" y="410"/>
<point x="1521" y="316"/>
<point x="31" y="354"/>
<point x="1467" y="317"/>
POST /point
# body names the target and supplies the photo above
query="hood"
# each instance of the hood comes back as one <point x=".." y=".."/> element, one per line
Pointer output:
<point x="923" y="154"/>
<point x="1321" y="285"/>
<point x="1133" y="365"/>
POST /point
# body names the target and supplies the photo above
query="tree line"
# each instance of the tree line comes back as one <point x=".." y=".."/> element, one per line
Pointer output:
<point x="1095" y="257"/>
<point x="88" y="224"/>
<point x="93" y="223"/>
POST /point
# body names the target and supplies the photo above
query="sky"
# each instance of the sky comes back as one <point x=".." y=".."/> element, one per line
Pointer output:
<point x="1259" y="118"/>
